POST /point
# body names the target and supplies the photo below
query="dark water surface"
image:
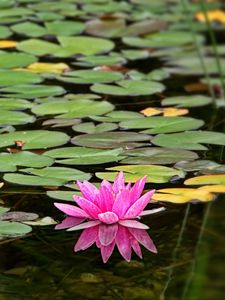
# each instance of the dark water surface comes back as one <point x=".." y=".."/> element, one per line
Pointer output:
<point x="189" y="263"/>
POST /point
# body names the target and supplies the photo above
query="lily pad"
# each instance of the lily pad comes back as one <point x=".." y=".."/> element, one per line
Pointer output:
<point x="10" y="161"/>
<point x="15" y="60"/>
<point x="206" y="179"/>
<point x="11" y="78"/>
<point x="155" y="174"/>
<point x="182" y="195"/>
<point x="162" y="39"/>
<point x="34" y="139"/>
<point x="82" y="45"/>
<point x="15" y="118"/>
<point x="187" y="101"/>
<point x="63" y="195"/>
<point x="158" y="156"/>
<point x="11" y="229"/>
<point x="118" y="116"/>
<point x="65" y="174"/>
<point x="64" y="28"/>
<point x="162" y="124"/>
<point x="129" y="88"/>
<point x="84" y="156"/>
<point x="109" y="140"/>
<point x="73" y="109"/>
<point x="90" y="127"/>
<point x="32" y="91"/>
<point x="190" y="140"/>
<point x="90" y="76"/>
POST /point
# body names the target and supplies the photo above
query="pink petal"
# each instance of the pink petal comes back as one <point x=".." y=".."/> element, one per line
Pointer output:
<point x="85" y="225"/>
<point x="108" y="217"/>
<point x="118" y="184"/>
<point x="133" y="224"/>
<point x="128" y="185"/>
<point x="136" y="247"/>
<point x="107" y="185"/>
<point x="143" y="238"/>
<point x="121" y="203"/>
<point x="138" y="206"/>
<point x="69" y="222"/>
<point x="105" y="199"/>
<point x="107" y="233"/>
<point x="137" y="189"/>
<point x="123" y="243"/>
<point x="88" y="190"/>
<point x="71" y="210"/>
<point x="151" y="211"/>
<point x="86" y="239"/>
<point x="106" y="251"/>
<point x="90" y="208"/>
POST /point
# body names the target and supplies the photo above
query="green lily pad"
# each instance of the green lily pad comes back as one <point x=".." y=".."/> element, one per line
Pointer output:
<point x="90" y="127"/>
<point x="15" y="60"/>
<point x="15" y="118"/>
<point x="11" y="78"/>
<point x="99" y="60"/>
<point x="155" y="174"/>
<point x="187" y="101"/>
<point x="63" y="195"/>
<point x="34" y="139"/>
<point x="32" y="91"/>
<point x="37" y="47"/>
<point x="73" y="109"/>
<point x="190" y="65"/>
<point x="158" y="156"/>
<point x="64" y="28"/>
<point x="162" y="39"/>
<point x="162" y="124"/>
<point x="90" y="76"/>
<point x="10" y="161"/>
<point x="14" y="104"/>
<point x="118" y="116"/>
<point x="129" y="88"/>
<point x="84" y="156"/>
<point x="33" y="180"/>
<point x="190" y="140"/>
<point x="109" y="140"/>
<point x="4" y="32"/>
<point x="82" y="45"/>
<point x="12" y="229"/>
<point x="66" y="174"/>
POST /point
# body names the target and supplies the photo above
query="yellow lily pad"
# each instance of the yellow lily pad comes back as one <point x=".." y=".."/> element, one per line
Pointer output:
<point x="206" y="179"/>
<point x="218" y="188"/>
<point x="170" y="198"/>
<point x="166" y="112"/>
<point x="216" y="15"/>
<point x="7" y="44"/>
<point x="183" y="195"/>
<point x="39" y="67"/>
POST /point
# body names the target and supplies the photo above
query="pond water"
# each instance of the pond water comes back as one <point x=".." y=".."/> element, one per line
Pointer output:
<point x="89" y="88"/>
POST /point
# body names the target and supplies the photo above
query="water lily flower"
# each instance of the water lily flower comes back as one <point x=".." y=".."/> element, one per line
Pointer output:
<point x="106" y="237"/>
<point x="110" y="204"/>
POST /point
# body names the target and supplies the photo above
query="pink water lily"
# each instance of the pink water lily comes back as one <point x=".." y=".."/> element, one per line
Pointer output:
<point x="106" y="237"/>
<point x="110" y="204"/>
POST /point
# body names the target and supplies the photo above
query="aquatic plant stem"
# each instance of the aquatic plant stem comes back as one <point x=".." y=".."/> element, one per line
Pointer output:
<point x="214" y="43"/>
<point x="193" y="266"/>
<point x="174" y="254"/>
<point x="198" y="48"/>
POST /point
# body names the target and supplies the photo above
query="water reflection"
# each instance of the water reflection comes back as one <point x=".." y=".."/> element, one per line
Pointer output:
<point x="127" y="237"/>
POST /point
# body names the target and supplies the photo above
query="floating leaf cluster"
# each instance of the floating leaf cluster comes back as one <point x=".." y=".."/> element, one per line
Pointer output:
<point x="85" y="92"/>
